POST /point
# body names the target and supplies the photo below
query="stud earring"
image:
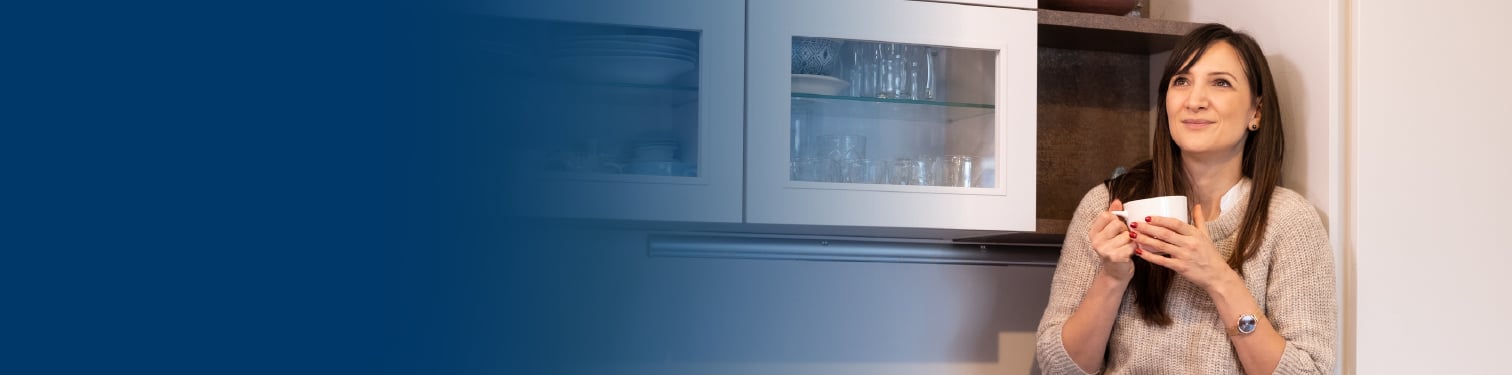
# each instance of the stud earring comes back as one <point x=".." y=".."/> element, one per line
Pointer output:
<point x="1254" y="126"/>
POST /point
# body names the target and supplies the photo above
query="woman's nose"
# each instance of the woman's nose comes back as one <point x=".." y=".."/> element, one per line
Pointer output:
<point x="1197" y="99"/>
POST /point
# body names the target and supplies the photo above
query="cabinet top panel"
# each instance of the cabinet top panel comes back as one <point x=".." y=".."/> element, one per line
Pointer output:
<point x="1100" y="32"/>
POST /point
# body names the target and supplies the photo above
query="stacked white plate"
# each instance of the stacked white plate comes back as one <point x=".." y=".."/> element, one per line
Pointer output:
<point x="635" y="59"/>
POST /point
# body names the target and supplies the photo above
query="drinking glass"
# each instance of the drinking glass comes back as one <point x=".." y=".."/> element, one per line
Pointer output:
<point x="841" y="154"/>
<point x="891" y="77"/>
<point x="962" y="171"/>
<point x="873" y="172"/>
<point x="860" y="56"/>
<point x="931" y="63"/>
<point x="842" y="147"/>
<point x="808" y="169"/>
<point x="901" y="172"/>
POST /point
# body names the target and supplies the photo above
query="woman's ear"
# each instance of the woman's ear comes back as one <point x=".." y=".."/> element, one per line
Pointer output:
<point x="1259" y="105"/>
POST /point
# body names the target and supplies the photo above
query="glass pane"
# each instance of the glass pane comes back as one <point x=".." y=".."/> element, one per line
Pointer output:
<point x="605" y="99"/>
<point x="867" y="112"/>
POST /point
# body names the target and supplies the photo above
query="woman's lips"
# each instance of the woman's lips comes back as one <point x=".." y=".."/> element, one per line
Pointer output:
<point x="1196" y="124"/>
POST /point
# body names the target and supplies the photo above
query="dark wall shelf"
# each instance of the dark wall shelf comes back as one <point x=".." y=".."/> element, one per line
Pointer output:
<point x="1099" y="32"/>
<point x="1094" y="110"/>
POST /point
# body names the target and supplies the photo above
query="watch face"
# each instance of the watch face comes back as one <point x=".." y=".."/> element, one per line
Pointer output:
<point x="1246" y="323"/>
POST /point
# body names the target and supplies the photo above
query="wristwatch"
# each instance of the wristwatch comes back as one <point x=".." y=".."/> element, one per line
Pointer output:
<point x="1244" y="326"/>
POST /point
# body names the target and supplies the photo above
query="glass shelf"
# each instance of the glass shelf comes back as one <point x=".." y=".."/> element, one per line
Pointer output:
<point x="892" y="109"/>
<point x="900" y="101"/>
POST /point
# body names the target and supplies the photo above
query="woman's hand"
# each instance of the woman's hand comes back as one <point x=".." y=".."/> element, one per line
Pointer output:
<point x="1183" y="248"/>
<point x="1111" y="241"/>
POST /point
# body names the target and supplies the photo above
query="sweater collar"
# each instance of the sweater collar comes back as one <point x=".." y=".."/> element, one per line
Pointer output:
<point x="1233" y="205"/>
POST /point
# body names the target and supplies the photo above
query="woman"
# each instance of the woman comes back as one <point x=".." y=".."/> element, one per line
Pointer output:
<point x="1250" y="291"/>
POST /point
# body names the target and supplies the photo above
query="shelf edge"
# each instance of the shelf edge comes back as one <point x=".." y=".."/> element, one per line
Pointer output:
<point x="846" y="250"/>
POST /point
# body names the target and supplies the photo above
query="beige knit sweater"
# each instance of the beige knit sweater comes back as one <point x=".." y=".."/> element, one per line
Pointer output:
<point x="1292" y="278"/>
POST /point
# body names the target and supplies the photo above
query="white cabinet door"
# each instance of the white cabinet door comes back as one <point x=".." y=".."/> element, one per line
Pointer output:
<point x="631" y="109"/>
<point x="890" y="113"/>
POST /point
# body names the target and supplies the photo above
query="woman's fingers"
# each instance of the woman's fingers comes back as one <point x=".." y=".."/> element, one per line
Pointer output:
<point x="1120" y="245"/>
<point x="1171" y="224"/>
<point x="1160" y="260"/>
<point x="1113" y="241"/>
<point x="1163" y="234"/>
<point x="1105" y="217"/>
<point x="1153" y="243"/>
<point x="1099" y="225"/>
<point x="1112" y="229"/>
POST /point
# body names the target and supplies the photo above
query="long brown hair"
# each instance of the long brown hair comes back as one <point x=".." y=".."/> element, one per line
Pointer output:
<point x="1164" y="175"/>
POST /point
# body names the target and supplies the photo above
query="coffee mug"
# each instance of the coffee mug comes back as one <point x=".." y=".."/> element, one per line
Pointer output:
<point x="1174" y="206"/>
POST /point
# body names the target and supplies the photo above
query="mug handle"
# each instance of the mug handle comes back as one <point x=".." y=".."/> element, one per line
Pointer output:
<point x="1125" y="216"/>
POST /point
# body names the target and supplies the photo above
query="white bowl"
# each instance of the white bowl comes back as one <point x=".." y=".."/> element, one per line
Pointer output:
<point x="638" y="46"/>
<point x="673" y="42"/>
<point x="663" y="168"/>
<point x="656" y="152"/>
<point x="817" y="84"/>
<point x="644" y="70"/>
<point x="573" y="52"/>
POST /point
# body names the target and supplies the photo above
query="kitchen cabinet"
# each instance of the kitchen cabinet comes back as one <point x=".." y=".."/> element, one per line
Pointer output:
<point x="633" y="109"/>
<point x="748" y="141"/>
<point x="931" y="123"/>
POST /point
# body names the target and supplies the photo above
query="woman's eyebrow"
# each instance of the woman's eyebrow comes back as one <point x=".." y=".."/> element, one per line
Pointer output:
<point x="1189" y="72"/>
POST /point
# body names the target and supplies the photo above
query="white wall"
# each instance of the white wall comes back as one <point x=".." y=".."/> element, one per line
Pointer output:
<point x="1431" y="89"/>
<point x="1293" y="34"/>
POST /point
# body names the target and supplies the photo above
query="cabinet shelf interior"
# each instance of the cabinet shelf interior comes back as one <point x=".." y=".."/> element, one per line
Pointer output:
<point x="892" y="109"/>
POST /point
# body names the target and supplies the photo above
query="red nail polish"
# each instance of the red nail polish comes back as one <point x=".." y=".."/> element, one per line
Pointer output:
<point x="1133" y="234"/>
<point x="1147" y="219"/>
<point x="1138" y="251"/>
<point x="1134" y="225"/>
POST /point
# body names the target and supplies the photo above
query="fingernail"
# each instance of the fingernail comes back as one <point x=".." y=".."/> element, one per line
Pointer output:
<point x="1147" y="219"/>
<point x="1133" y="234"/>
<point x="1138" y="251"/>
<point x="1134" y="225"/>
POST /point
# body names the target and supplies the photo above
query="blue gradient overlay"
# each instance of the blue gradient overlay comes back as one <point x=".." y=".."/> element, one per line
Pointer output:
<point x="336" y="187"/>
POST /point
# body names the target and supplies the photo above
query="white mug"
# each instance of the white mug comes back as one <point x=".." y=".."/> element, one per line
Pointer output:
<point x="1174" y="206"/>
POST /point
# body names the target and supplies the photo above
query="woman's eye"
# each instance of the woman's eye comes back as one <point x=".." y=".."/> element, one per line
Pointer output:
<point x="1179" y="81"/>
<point x="1222" y="83"/>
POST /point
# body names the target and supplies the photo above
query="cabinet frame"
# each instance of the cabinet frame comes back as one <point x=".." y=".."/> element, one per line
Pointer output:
<point x="715" y="195"/>
<point x="771" y="198"/>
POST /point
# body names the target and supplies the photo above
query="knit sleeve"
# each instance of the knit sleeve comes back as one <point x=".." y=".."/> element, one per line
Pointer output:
<point x="1300" y="297"/>
<point x="1073" y="276"/>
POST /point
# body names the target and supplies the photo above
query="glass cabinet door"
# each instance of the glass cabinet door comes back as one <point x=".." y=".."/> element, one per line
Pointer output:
<point x="866" y="112"/>
<point x="891" y="114"/>
<point x="634" y="106"/>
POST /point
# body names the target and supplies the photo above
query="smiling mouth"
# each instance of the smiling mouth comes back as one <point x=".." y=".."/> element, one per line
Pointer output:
<point x="1196" y="123"/>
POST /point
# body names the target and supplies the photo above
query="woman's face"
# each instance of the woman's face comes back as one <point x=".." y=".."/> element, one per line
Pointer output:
<point x="1210" y="107"/>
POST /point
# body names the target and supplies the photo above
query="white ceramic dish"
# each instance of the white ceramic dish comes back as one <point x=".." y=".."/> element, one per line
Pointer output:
<point x="623" y="52"/>
<point x="663" y="168"/>
<point x="638" y="46"/>
<point x="661" y="40"/>
<point x="817" y="84"/>
<point x="644" y="70"/>
<point x="655" y="152"/>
